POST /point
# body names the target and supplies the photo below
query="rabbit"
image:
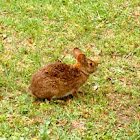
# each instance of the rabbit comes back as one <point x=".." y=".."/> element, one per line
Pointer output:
<point x="57" y="80"/>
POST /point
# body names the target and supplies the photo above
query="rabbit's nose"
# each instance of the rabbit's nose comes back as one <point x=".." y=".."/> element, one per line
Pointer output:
<point x="97" y="63"/>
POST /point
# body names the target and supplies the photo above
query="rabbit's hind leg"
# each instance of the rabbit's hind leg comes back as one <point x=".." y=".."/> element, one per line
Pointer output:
<point x="74" y="94"/>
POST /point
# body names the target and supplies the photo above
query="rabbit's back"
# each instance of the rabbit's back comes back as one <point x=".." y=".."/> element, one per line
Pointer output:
<point x="56" y="80"/>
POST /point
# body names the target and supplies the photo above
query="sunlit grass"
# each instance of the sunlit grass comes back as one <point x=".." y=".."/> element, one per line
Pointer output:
<point x="33" y="33"/>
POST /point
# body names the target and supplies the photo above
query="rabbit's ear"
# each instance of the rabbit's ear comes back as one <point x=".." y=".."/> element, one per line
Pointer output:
<point x="81" y="58"/>
<point x="76" y="52"/>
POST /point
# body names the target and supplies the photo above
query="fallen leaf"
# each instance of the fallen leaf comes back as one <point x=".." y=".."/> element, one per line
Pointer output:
<point x="1" y="97"/>
<point x="30" y="40"/>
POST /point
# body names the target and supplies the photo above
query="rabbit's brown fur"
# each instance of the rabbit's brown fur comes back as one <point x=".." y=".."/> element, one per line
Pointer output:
<point x="56" y="80"/>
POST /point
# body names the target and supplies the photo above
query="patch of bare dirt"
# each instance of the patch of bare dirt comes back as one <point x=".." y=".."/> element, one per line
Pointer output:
<point x="108" y="34"/>
<point x="77" y="124"/>
<point x="37" y="119"/>
<point x="126" y="82"/>
<point x="124" y="107"/>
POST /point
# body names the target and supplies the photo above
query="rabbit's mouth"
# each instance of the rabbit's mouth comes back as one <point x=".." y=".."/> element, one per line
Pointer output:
<point x="92" y="71"/>
<point x="88" y="72"/>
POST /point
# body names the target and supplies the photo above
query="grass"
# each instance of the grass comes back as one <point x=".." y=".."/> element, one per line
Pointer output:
<point x="33" y="33"/>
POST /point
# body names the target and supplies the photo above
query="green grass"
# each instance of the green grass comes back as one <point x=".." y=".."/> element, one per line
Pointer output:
<point x="39" y="32"/>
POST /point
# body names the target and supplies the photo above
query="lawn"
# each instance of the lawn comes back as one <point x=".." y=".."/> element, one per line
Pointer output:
<point x="35" y="32"/>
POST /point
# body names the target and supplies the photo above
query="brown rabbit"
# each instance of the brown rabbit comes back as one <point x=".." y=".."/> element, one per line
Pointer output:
<point x="56" y="80"/>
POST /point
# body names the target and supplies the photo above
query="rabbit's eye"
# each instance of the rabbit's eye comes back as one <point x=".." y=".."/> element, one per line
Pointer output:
<point x="90" y="64"/>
